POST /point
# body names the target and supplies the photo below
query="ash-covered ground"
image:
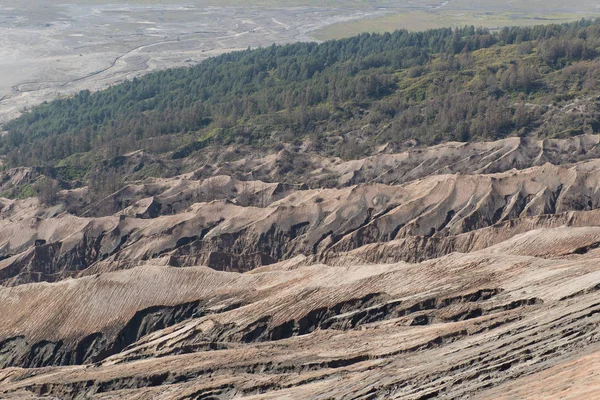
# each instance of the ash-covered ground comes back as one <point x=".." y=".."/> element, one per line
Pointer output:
<point x="49" y="50"/>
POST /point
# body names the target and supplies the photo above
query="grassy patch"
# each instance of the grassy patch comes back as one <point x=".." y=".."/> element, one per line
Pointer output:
<point x="20" y="192"/>
<point x="71" y="172"/>
<point x="421" y="20"/>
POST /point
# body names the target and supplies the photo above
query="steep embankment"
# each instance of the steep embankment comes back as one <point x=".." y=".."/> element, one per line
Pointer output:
<point x="312" y="331"/>
<point x="471" y="268"/>
<point x="166" y="221"/>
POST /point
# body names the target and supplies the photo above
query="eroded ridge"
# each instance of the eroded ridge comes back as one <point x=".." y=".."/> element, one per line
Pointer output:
<point x="455" y="284"/>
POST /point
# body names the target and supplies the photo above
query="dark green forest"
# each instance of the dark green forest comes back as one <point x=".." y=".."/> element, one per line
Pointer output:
<point x="399" y="88"/>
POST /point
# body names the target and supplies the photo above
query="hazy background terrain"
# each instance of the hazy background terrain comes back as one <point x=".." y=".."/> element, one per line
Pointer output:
<point x="53" y="48"/>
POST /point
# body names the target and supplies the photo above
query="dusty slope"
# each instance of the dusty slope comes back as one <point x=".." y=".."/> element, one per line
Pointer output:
<point x="458" y="278"/>
<point x="310" y="332"/>
<point x="397" y="168"/>
<point x="428" y="217"/>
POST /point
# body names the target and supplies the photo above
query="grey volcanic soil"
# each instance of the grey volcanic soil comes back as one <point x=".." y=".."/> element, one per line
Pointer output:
<point x="48" y="49"/>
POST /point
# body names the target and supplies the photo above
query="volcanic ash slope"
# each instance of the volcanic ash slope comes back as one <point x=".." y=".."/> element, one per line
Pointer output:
<point x="456" y="284"/>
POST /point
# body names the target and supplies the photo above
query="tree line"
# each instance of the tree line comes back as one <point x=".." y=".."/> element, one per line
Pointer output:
<point x="437" y="85"/>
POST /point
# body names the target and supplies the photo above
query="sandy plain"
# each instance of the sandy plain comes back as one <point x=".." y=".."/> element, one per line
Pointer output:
<point x="51" y="49"/>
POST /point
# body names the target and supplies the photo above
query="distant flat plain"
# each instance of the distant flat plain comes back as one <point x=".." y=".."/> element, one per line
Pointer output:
<point x="492" y="14"/>
<point x="54" y="48"/>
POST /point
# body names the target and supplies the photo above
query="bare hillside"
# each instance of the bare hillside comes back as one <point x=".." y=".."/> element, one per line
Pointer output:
<point x="457" y="271"/>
